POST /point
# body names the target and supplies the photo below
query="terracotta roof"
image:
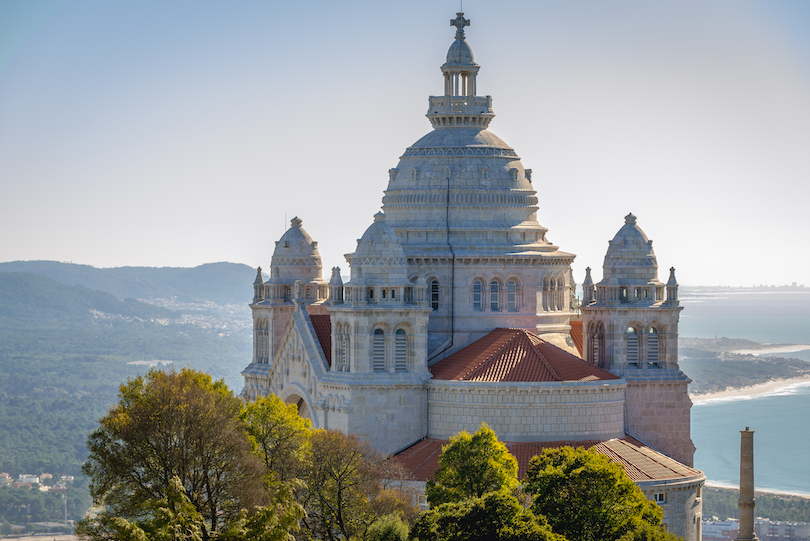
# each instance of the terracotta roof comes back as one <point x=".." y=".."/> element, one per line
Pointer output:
<point x="323" y="330"/>
<point x="515" y="355"/>
<point x="576" y="335"/>
<point x="641" y="463"/>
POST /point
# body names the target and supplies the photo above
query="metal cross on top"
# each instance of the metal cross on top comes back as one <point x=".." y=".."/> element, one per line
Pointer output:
<point x="460" y="22"/>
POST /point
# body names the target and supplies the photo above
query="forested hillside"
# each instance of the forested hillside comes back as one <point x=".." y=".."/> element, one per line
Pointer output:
<point x="222" y="283"/>
<point x="64" y="351"/>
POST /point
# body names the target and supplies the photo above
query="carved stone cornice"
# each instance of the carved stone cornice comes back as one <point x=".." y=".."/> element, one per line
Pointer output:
<point x="460" y="151"/>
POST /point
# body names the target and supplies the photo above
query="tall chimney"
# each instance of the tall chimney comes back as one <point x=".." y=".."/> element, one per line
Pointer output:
<point x="747" y="500"/>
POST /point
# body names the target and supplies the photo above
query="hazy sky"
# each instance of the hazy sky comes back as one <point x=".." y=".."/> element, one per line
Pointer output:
<point x="178" y="133"/>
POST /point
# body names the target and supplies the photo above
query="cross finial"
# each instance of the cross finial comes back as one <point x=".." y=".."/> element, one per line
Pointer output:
<point x="460" y="22"/>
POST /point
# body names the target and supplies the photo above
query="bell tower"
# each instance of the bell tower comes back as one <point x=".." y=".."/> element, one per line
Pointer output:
<point x="630" y="327"/>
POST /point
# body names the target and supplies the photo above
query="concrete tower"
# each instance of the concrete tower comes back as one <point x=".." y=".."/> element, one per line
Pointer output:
<point x="630" y="324"/>
<point x="747" y="500"/>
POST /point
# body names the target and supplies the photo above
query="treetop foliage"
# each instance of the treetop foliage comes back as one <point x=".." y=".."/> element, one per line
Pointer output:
<point x="586" y="497"/>
<point x="495" y="516"/>
<point x="170" y="425"/>
<point x="278" y="434"/>
<point x="471" y="465"/>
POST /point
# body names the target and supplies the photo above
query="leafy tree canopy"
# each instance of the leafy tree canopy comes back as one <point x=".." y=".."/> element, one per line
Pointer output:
<point x="345" y="494"/>
<point x="279" y="435"/>
<point x="169" y="425"/>
<point x="497" y="516"/>
<point x="471" y="465"/>
<point x="586" y="497"/>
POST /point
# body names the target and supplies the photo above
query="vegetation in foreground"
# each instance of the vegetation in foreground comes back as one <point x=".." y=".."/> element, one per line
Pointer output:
<point x="179" y="457"/>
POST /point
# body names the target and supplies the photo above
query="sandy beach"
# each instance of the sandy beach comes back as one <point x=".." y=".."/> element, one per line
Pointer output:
<point x="752" y="390"/>
<point x="770" y="350"/>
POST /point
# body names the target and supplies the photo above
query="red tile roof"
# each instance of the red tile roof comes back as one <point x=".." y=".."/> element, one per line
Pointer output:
<point x="576" y="335"/>
<point x="515" y="355"/>
<point x="323" y="330"/>
<point x="641" y="463"/>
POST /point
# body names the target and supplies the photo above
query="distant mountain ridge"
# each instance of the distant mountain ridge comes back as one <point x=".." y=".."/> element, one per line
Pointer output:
<point x="222" y="283"/>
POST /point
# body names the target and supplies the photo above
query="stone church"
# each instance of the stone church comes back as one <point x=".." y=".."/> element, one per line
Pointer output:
<point x="460" y="311"/>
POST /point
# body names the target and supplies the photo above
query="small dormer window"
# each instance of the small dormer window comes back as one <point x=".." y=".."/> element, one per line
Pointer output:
<point x="383" y="294"/>
<point x="514" y="174"/>
<point x="392" y="174"/>
<point x="485" y="174"/>
<point x="528" y="173"/>
<point x="414" y="174"/>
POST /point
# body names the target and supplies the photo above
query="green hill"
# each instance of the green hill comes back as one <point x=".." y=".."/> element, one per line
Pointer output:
<point x="62" y="365"/>
<point x="222" y="283"/>
<point x="25" y="297"/>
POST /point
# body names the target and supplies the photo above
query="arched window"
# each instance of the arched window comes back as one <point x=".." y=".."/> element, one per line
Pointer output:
<point x="400" y="351"/>
<point x="632" y="347"/>
<point x="596" y="350"/>
<point x="378" y="351"/>
<point x="511" y="296"/>
<point x="652" y="347"/>
<point x="434" y="294"/>
<point x="494" y="296"/>
<point x="478" y="286"/>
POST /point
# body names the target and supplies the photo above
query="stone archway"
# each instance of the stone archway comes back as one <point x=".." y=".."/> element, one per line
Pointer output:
<point x="294" y="394"/>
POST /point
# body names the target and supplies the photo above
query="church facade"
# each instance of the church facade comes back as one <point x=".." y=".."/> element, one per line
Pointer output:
<point x="460" y="311"/>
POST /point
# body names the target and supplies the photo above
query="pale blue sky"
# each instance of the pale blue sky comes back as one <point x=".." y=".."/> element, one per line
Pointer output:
<point x="178" y="133"/>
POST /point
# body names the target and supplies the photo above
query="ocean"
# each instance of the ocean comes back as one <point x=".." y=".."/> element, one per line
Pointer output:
<point x="781" y="419"/>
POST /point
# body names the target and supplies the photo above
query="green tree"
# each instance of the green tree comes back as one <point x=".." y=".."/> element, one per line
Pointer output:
<point x="5" y="528"/>
<point x="471" y="466"/>
<point x="586" y="497"/>
<point x="165" y="425"/>
<point x="279" y="435"/>
<point x="174" y="518"/>
<point x="344" y="493"/>
<point x="388" y="528"/>
<point x="497" y="516"/>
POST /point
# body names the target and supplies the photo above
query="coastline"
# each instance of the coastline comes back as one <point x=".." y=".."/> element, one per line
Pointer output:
<point x="709" y="484"/>
<point x="749" y="391"/>
<point x="767" y="350"/>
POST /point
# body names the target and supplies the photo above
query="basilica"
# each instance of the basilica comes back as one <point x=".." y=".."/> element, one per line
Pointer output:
<point x="459" y="311"/>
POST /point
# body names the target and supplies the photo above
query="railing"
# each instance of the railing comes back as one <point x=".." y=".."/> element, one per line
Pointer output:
<point x="461" y="104"/>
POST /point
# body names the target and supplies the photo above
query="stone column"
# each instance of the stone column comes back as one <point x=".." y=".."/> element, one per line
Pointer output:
<point x="747" y="500"/>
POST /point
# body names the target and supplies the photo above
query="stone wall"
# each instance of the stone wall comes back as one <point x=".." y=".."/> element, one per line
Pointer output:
<point x="544" y="411"/>
<point x="682" y="503"/>
<point x="658" y="413"/>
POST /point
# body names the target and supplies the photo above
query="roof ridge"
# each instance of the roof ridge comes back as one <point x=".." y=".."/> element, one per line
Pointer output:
<point x="540" y="355"/>
<point x="483" y="363"/>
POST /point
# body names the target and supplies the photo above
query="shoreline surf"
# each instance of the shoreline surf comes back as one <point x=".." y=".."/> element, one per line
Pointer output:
<point x="750" y="391"/>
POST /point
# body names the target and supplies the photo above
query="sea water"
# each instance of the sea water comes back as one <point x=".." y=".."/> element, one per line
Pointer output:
<point x="781" y="419"/>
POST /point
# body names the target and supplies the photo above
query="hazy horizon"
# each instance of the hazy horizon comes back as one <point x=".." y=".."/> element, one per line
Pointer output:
<point x="154" y="134"/>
